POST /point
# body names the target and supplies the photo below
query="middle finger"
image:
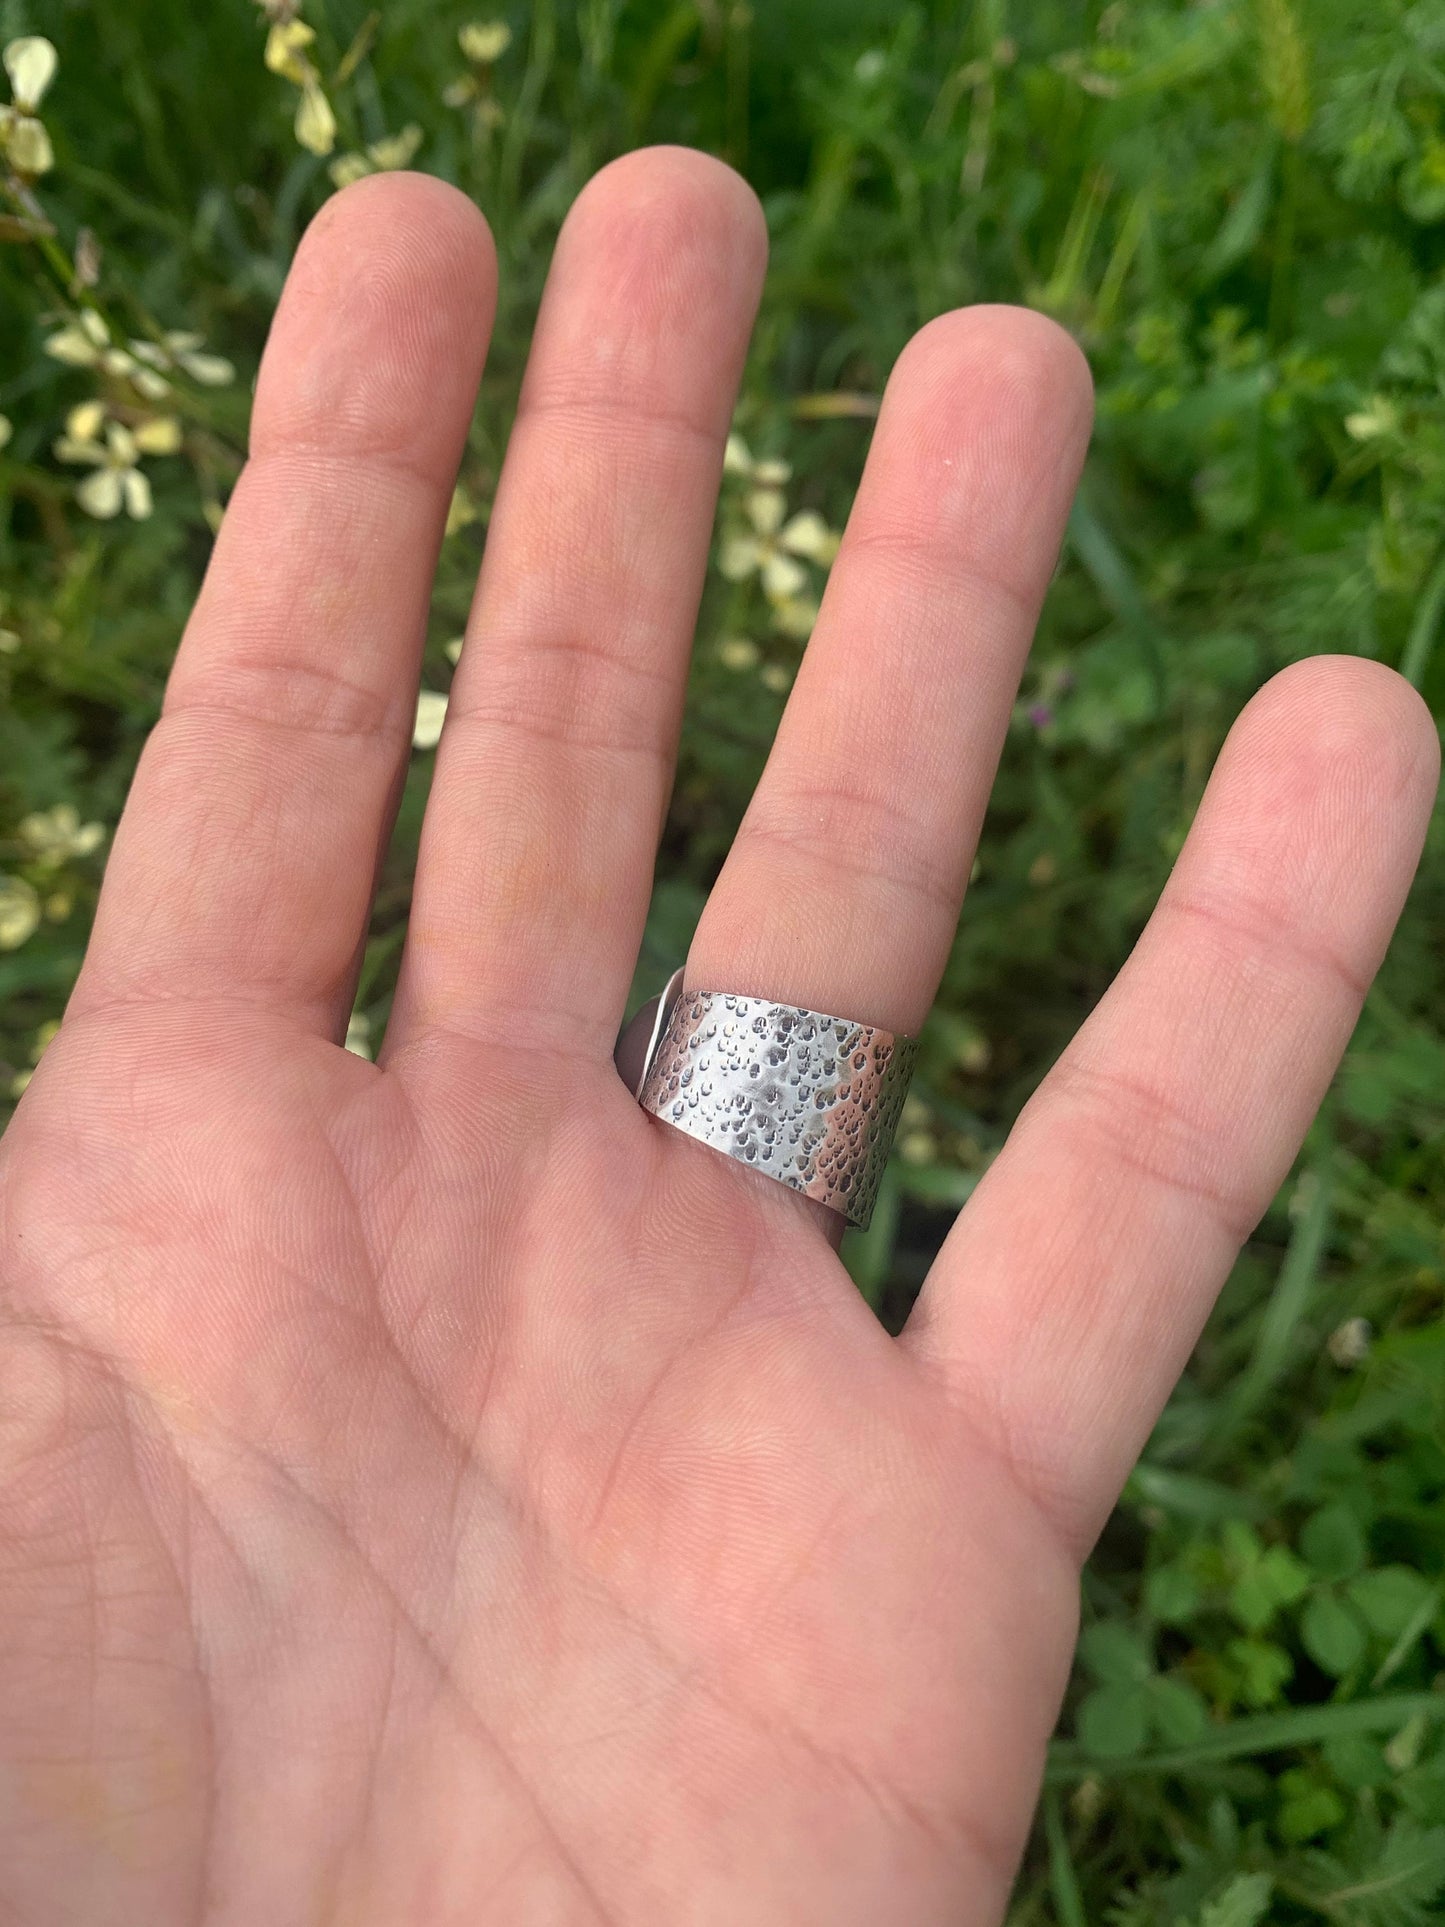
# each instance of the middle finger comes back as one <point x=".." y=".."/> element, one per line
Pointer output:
<point x="556" y="761"/>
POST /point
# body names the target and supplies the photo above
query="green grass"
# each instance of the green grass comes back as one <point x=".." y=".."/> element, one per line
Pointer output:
<point x="1239" y="208"/>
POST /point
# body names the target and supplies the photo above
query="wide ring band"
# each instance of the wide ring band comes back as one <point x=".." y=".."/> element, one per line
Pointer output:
<point x="810" y="1100"/>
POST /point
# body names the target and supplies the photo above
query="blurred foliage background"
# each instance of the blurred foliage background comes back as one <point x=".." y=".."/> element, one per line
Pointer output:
<point x="1239" y="208"/>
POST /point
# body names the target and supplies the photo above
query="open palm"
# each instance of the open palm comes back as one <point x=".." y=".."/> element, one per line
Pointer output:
<point x="435" y="1491"/>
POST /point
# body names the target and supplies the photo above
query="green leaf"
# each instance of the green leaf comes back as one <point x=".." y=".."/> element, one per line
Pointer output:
<point x="1113" y="1722"/>
<point x="1242" y="1904"/>
<point x="1171" y="1595"/>
<point x="1333" y="1634"/>
<point x="1357" y="1760"/>
<point x="1243" y="226"/>
<point x="1309" y="1808"/>
<point x="1176" y="1711"/>
<point x="1393" y="1885"/>
<point x="1114" y="1654"/>
<point x="1256" y="1733"/>
<point x="1263" y="1669"/>
<point x="1333" y="1542"/>
<point x="1390" y="1598"/>
<point x="1275" y="1580"/>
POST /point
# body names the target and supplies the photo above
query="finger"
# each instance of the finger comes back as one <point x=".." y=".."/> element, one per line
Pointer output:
<point x="842" y="890"/>
<point x="1070" y="1293"/>
<point x="556" y="761"/>
<point x="244" y="864"/>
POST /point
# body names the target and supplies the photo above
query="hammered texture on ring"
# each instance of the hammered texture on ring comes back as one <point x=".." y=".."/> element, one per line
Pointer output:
<point x="812" y="1101"/>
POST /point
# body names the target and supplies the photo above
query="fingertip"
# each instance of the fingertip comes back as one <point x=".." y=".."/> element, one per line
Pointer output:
<point x="657" y="277"/>
<point x="1032" y="369"/>
<point x="1339" y="721"/>
<point x="694" y="186"/>
<point x="667" y="215"/>
<point x="383" y="324"/>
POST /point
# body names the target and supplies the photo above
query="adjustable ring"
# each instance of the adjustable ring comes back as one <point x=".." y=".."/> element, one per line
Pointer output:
<point x="810" y="1100"/>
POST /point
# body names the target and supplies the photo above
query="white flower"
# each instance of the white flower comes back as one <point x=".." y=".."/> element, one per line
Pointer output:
<point x="56" y="836"/>
<point x="179" y="348"/>
<point x="1349" y="1344"/>
<point x="117" y="482"/>
<point x="30" y="62"/>
<point x="159" y="435"/>
<point x="31" y="65"/>
<point x="1379" y="418"/>
<point x="775" y="550"/>
<point x="796" y="616"/>
<point x="462" y="511"/>
<point x="431" y="713"/>
<point x="918" y="1147"/>
<point x="358" y="1034"/>
<point x="19" y="912"/>
<point x="738" y="653"/>
<point x="80" y="343"/>
<point x="381" y="157"/>
<point x="738" y="460"/>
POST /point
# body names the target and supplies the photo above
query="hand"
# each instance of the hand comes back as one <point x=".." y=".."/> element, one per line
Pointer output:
<point x="436" y="1492"/>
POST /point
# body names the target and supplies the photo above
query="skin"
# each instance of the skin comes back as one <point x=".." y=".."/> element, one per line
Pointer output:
<point x="436" y="1492"/>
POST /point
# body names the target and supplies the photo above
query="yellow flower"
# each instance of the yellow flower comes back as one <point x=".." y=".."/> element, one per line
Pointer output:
<point x="381" y="157"/>
<point x="19" y="912"/>
<point x="773" y="676"/>
<point x="484" y="41"/>
<point x="358" y="1034"/>
<point x="55" y="836"/>
<point x="30" y="62"/>
<point x="117" y="482"/>
<point x="431" y="713"/>
<point x="347" y="169"/>
<point x="7" y="429"/>
<point x="85" y="421"/>
<point x="315" y="122"/>
<point x="453" y="650"/>
<point x="285" y="55"/>
<point x="159" y="435"/>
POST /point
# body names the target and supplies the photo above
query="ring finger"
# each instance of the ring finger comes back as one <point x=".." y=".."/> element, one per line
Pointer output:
<point x="842" y="890"/>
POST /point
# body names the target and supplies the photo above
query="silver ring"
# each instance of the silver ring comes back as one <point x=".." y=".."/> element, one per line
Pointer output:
<point x="810" y="1100"/>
